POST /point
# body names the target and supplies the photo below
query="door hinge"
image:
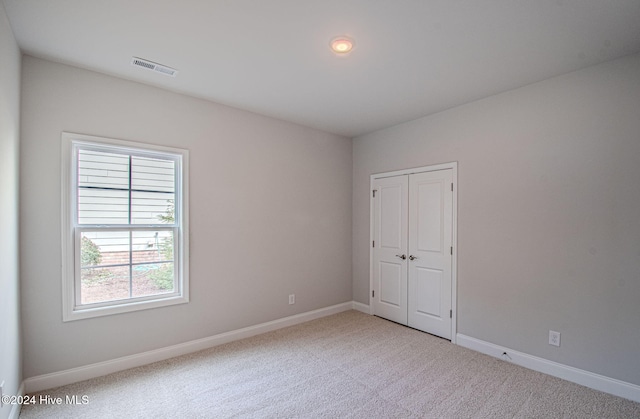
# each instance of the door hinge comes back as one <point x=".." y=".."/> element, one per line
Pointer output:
<point x="451" y="186"/>
<point x="452" y="250"/>
<point x="374" y="192"/>
<point x="373" y="243"/>
<point x="451" y="314"/>
<point x="373" y="293"/>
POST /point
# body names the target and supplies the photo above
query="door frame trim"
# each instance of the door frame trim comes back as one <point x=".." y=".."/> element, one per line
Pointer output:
<point x="454" y="232"/>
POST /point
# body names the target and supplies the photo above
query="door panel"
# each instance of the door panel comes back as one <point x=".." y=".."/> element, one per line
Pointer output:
<point x="429" y="224"/>
<point x="391" y="214"/>
<point x="429" y="287"/>
<point x="391" y="283"/>
<point x="430" y="240"/>
<point x="390" y="236"/>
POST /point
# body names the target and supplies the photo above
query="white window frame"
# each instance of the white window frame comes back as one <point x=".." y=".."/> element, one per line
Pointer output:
<point x="71" y="230"/>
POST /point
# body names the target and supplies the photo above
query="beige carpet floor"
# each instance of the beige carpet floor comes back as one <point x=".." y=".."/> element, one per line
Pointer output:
<point x="346" y="365"/>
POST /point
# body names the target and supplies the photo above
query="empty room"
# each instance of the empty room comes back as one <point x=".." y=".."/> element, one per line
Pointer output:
<point x="363" y="209"/>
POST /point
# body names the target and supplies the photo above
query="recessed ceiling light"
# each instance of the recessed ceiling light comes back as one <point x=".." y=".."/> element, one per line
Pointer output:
<point x="341" y="45"/>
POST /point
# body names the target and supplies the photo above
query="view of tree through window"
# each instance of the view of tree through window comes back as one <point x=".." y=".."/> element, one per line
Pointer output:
<point x="126" y="224"/>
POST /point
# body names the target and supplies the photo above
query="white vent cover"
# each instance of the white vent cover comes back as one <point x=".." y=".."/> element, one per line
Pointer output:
<point x="150" y="65"/>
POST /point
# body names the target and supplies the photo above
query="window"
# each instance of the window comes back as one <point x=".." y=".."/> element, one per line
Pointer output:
<point x="125" y="226"/>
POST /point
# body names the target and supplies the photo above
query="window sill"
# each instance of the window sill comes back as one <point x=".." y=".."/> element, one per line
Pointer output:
<point x="87" y="313"/>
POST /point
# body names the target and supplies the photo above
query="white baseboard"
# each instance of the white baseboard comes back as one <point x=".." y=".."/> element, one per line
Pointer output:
<point x="74" y="375"/>
<point x="15" y="409"/>
<point x="578" y="376"/>
<point x="361" y="307"/>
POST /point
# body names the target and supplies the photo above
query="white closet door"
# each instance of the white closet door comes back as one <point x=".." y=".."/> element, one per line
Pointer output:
<point x="390" y="248"/>
<point x="429" y="259"/>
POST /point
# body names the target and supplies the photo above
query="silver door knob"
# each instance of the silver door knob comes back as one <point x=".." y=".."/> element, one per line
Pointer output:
<point x="403" y="257"/>
<point x="411" y="257"/>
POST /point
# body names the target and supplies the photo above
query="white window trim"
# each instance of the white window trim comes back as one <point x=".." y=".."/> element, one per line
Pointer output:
<point x="70" y="311"/>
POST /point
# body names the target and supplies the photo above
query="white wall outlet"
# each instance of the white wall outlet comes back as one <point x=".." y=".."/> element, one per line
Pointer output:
<point x="554" y="338"/>
<point x="292" y="298"/>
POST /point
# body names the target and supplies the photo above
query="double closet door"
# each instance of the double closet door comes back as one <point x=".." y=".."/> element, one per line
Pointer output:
<point x="412" y="250"/>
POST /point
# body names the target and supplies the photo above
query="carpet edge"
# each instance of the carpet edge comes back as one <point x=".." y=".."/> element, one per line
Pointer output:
<point x="585" y="378"/>
<point x="86" y="372"/>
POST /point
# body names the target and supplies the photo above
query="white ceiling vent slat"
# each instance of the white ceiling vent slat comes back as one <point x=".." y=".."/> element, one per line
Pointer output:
<point x="150" y="65"/>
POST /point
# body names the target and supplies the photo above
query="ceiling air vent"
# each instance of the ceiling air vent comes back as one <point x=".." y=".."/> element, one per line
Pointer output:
<point x="150" y="65"/>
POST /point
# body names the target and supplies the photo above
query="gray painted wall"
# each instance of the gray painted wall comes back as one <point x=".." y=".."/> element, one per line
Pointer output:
<point x="10" y="341"/>
<point x="270" y="214"/>
<point x="548" y="217"/>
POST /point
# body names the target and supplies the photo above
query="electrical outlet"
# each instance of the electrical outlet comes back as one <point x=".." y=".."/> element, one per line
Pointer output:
<point x="554" y="338"/>
<point x="292" y="298"/>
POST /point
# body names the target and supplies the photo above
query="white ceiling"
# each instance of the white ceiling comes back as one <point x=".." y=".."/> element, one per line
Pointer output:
<point x="412" y="58"/>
